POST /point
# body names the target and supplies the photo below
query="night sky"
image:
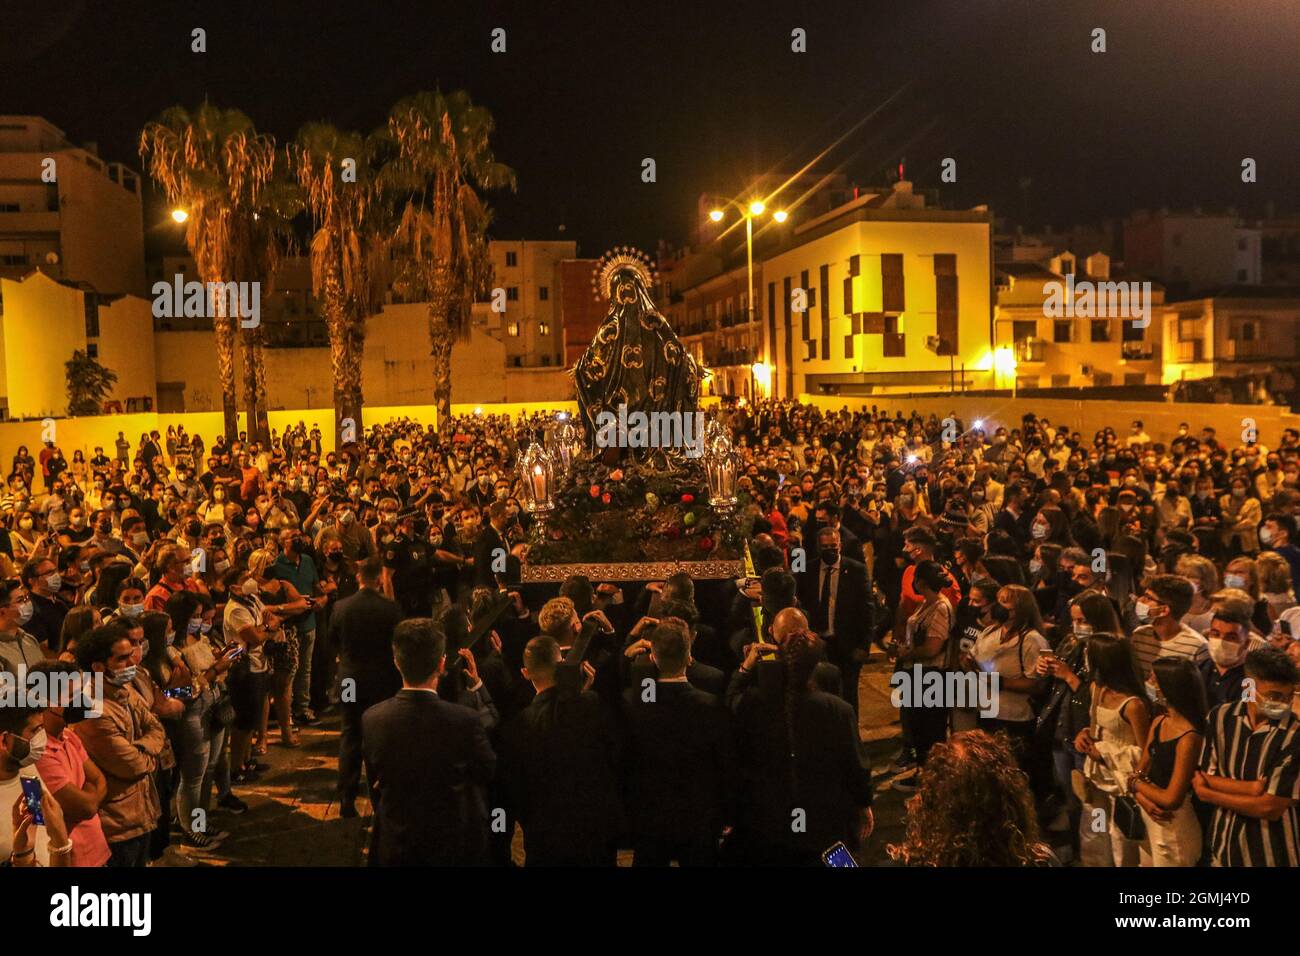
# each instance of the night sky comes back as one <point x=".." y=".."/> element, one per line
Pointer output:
<point x="1009" y="88"/>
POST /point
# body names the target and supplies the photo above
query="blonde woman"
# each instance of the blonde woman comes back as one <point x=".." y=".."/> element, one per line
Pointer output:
<point x="283" y="600"/>
<point x="1274" y="585"/>
<point x="1205" y="583"/>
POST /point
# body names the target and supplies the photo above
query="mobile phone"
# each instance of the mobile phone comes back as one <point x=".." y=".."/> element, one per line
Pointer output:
<point x="838" y="855"/>
<point x="180" y="693"/>
<point x="234" y="652"/>
<point x="32" y="798"/>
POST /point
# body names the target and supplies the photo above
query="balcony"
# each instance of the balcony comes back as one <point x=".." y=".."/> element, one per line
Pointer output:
<point x="723" y="358"/>
<point x="1137" y="351"/>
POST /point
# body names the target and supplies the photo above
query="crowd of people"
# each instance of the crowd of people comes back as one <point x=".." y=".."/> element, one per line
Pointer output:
<point x="1129" y="601"/>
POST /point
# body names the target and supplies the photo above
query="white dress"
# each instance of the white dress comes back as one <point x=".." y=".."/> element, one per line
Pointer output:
<point x="1100" y="841"/>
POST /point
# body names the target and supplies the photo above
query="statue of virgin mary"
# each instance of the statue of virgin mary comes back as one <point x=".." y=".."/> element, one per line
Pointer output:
<point x="636" y="360"/>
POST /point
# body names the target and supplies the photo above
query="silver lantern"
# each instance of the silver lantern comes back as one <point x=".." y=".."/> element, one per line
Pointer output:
<point x="537" y="474"/>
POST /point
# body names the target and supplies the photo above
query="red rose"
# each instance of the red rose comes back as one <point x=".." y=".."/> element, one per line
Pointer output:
<point x="606" y="498"/>
<point x="687" y="498"/>
<point x="706" y="544"/>
<point x="616" y="474"/>
<point x="595" y="491"/>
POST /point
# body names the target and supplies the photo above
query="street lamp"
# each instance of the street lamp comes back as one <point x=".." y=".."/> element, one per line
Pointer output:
<point x="748" y="212"/>
<point x="179" y="214"/>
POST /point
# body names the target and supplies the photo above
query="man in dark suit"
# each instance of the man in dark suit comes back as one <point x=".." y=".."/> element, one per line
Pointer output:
<point x="640" y="657"/>
<point x="835" y="592"/>
<point x="361" y="627"/>
<point x="428" y="761"/>
<point x="558" y="763"/>
<point x="490" y="549"/>
<point x="680" y="761"/>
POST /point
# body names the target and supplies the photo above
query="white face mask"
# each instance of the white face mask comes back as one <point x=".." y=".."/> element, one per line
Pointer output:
<point x="1143" y="611"/>
<point x="1226" y="653"/>
<point x="1237" y="581"/>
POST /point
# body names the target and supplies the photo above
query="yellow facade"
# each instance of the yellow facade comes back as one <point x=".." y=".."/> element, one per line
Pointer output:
<point x="854" y="357"/>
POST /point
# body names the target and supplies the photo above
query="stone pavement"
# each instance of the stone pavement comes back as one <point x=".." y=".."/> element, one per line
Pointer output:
<point x="293" y="819"/>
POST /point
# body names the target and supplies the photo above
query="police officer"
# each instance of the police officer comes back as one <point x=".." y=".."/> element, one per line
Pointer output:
<point x="408" y="561"/>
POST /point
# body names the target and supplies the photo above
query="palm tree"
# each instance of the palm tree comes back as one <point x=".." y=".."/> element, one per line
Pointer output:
<point x="440" y="153"/>
<point x="213" y="163"/>
<point x="347" y="250"/>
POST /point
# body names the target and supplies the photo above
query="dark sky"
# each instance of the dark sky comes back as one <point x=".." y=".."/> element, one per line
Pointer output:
<point x="711" y="91"/>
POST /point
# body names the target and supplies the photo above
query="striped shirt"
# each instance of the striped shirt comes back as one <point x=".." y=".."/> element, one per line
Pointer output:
<point x="1270" y="751"/>
<point x="1186" y="643"/>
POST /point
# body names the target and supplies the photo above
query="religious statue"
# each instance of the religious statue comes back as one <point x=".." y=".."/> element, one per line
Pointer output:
<point x="636" y="369"/>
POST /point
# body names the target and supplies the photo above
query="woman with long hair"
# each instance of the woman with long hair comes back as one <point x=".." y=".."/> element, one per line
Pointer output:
<point x="283" y="599"/>
<point x="1118" y="721"/>
<point x="1162" y="783"/>
<point x="973" y="808"/>
<point x="1010" y="647"/>
<point x="200" y="736"/>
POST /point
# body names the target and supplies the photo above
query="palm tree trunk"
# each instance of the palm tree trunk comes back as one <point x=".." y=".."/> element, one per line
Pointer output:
<point x="259" y="427"/>
<point x="223" y="327"/>
<point x="440" y="344"/>
<point x="345" y="363"/>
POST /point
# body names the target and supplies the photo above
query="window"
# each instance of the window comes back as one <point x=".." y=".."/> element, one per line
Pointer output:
<point x="544" y="293"/>
<point x="512" y="259"/>
<point x="1060" y="381"/>
<point x="9" y="207"/>
<point x="1067" y="265"/>
<point x="1187" y="330"/>
<point x="543" y="328"/>
<point x="1061" y="330"/>
<point x="810" y="350"/>
<point x="92" y="350"/>
<point x="512" y="293"/>
<point x="891" y="282"/>
<point x="812" y="298"/>
<point x="14" y="260"/>
<point x="91" y="302"/>
<point x="513" y="329"/>
<point x="1101" y="330"/>
<point x="855" y="265"/>
<point x="1024" y="329"/>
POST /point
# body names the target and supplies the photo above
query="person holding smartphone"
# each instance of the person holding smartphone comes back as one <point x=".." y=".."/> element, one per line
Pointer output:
<point x="33" y="831"/>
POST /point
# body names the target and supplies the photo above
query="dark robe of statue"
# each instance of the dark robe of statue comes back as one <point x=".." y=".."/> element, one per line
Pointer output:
<point x="635" y="360"/>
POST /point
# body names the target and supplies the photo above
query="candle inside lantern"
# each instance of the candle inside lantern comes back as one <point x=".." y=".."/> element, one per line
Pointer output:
<point x="539" y="484"/>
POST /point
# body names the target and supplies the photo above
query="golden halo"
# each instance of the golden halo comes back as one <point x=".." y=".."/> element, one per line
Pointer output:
<point x="620" y="257"/>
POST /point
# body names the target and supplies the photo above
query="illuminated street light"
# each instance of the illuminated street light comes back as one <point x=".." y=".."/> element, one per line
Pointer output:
<point x="716" y="215"/>
<point x="180" y="215"/>
<point x="780" y="215"/>
<point x="757" y="207"/>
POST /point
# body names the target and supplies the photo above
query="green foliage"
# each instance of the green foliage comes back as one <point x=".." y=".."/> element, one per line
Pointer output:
<point x="89" y="384"/>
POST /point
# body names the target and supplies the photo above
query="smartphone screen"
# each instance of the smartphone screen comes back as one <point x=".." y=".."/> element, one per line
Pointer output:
<point x="32" y="797"/>
<point x="839" y="856"/>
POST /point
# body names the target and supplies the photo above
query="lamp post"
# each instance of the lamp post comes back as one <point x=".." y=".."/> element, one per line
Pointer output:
<point x="749" y="212"/>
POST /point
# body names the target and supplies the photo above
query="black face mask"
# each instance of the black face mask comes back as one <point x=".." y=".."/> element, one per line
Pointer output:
<point x="1000" y="613"/>
<point x="829" y="555"/>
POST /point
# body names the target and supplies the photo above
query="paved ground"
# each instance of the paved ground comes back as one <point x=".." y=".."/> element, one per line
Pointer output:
<point x="293" y="820"/>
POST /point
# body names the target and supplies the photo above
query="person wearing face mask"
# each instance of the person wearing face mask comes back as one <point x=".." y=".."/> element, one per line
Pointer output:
<point x="1160" y="631"/>
<point x="24" y="537"/>
<point x="1250" y="769"/>
<point x="1223" y="672"/>
<point x="1162" y="781"/>
<point x="41" y="578"/>
<point x="71" y="776"/>
<point x="1242" y="514"/>
<point x="23" y="741"/>
<point x="835" y="592"/>
<point x="19" y="650"/>
<point x="126" y="742"/>
<point x="1277" y="534"/>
